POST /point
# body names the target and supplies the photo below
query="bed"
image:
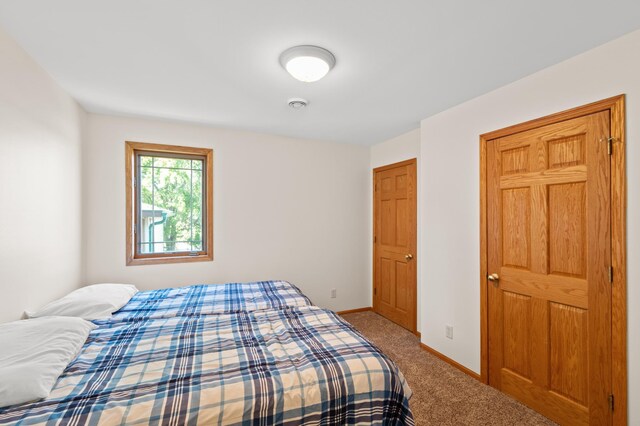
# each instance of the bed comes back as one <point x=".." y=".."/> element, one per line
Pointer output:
<point x="258" y="358"/>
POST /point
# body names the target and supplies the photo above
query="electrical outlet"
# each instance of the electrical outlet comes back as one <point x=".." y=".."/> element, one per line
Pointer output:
<point x="448" y="331"/>
<point x="334" y="293"/>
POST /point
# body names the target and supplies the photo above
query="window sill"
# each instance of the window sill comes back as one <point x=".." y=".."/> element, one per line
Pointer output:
<point x="158" y="260"/>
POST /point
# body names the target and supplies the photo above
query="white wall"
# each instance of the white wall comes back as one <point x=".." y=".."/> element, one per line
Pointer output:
<point x="450" y="189"/>
<point x="403" y="147"/>
<point x="283" y="209"/>
<point x="40" y="181"/>
<point x="400" y="148"/>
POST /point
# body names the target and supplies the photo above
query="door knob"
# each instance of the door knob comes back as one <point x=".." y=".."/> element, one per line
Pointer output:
<point x="494" y="278"/>
<point x="408" y="256"/>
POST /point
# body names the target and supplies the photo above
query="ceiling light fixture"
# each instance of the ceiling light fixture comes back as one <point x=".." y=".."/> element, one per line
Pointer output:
<point x="307" y="63"/>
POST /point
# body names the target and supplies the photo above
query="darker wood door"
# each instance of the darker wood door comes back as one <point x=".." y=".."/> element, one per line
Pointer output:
<point x="394" y="254"/>
<point x="549" y="259"/>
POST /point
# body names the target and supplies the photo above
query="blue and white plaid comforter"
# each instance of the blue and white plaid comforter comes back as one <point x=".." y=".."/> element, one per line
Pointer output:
<point x="211" y="299"/>
<point x="290" y="366"/>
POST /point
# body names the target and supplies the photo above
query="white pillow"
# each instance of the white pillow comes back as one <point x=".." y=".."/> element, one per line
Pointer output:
<point x="34" y="353"/>
<point x="92" y="302"/>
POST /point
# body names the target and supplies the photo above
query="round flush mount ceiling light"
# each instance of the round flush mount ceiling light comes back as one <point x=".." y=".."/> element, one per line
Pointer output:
<point x="307" y="63"/>
<point x="298" y="103"/>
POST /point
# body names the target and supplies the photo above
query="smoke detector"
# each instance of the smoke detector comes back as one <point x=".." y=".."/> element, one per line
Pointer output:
<point x="298" y="103"/>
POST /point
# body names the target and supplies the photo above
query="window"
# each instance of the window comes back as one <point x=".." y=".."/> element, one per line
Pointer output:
<point x="169" y="203"/>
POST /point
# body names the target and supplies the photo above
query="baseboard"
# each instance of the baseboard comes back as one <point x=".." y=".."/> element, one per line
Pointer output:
<point x="418" y="334"/>
<point x="353" y="311"/>
<point x="450" y="361"/>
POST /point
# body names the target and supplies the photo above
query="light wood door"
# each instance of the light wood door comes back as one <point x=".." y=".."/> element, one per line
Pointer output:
<point x="549" y="242"/>
<point x="394" y="287"/>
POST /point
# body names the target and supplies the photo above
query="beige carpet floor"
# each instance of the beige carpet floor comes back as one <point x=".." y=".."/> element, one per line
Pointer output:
<point x="442" y="394"/>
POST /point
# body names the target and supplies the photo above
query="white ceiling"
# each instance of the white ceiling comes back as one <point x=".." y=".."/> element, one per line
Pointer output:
<point x="216" y="62"/>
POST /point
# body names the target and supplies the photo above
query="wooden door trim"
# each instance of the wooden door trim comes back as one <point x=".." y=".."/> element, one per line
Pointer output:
<point x="394" y="165"/>
<point x="616" y="107"/>
<point x="412" y="161"/>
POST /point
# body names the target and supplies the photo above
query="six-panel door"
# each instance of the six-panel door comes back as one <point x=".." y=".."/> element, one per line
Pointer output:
<point x="395" y="243"/>
<point x="549" y="241"/>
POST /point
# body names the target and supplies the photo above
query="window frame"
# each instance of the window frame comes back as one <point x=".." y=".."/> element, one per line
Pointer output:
<point x="132" y="149"/>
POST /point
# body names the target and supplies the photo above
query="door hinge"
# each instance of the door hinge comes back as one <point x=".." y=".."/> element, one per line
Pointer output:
<point x="611" y="274"/>
<point x="611" y="402"/>
<point x="375" y="239"/>
<point x="375" y="290"/>
<point x="609" y="142"/>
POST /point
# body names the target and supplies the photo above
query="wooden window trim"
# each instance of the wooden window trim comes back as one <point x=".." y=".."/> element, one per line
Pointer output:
<point x="130" y="172"/>
<point x="616" y="107"/>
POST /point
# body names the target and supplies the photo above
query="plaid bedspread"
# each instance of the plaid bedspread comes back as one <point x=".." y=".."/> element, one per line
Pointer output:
<point x="299" y="365"/>
<point x="210" y="299"/>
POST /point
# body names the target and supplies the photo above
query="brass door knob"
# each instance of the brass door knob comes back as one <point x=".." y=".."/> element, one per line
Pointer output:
<point x="494" y="278"/>
<point x="408" y="256"/>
